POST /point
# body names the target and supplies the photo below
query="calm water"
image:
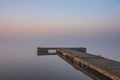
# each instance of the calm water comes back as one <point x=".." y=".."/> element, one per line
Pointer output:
<point x="19" y="63"/>
<point x="19" y="60"/>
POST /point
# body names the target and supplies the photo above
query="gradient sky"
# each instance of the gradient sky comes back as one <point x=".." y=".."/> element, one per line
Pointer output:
<point x="46" y="17"/>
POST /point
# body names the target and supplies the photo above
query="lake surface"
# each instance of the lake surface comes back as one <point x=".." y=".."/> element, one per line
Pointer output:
<point x="20" y="64"/>
<point x="19" y="60"/>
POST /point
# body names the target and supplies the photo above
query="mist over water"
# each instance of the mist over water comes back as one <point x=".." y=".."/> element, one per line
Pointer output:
<point x="19" y="60"/>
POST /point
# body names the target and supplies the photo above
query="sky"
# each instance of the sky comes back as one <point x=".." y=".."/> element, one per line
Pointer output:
<point x="90" y="23"/>
<point x="50" y="17"/>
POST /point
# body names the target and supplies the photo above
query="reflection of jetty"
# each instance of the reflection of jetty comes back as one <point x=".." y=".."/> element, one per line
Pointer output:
<point x="97" y="67"/>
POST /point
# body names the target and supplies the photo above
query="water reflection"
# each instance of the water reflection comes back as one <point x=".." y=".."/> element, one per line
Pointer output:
<point x="32" y="67"/>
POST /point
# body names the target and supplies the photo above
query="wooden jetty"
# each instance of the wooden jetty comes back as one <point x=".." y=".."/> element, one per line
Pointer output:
<point x="95" y="66"/>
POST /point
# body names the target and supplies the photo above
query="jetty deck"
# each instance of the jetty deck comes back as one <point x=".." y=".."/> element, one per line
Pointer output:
<point x="96" y="66"/>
